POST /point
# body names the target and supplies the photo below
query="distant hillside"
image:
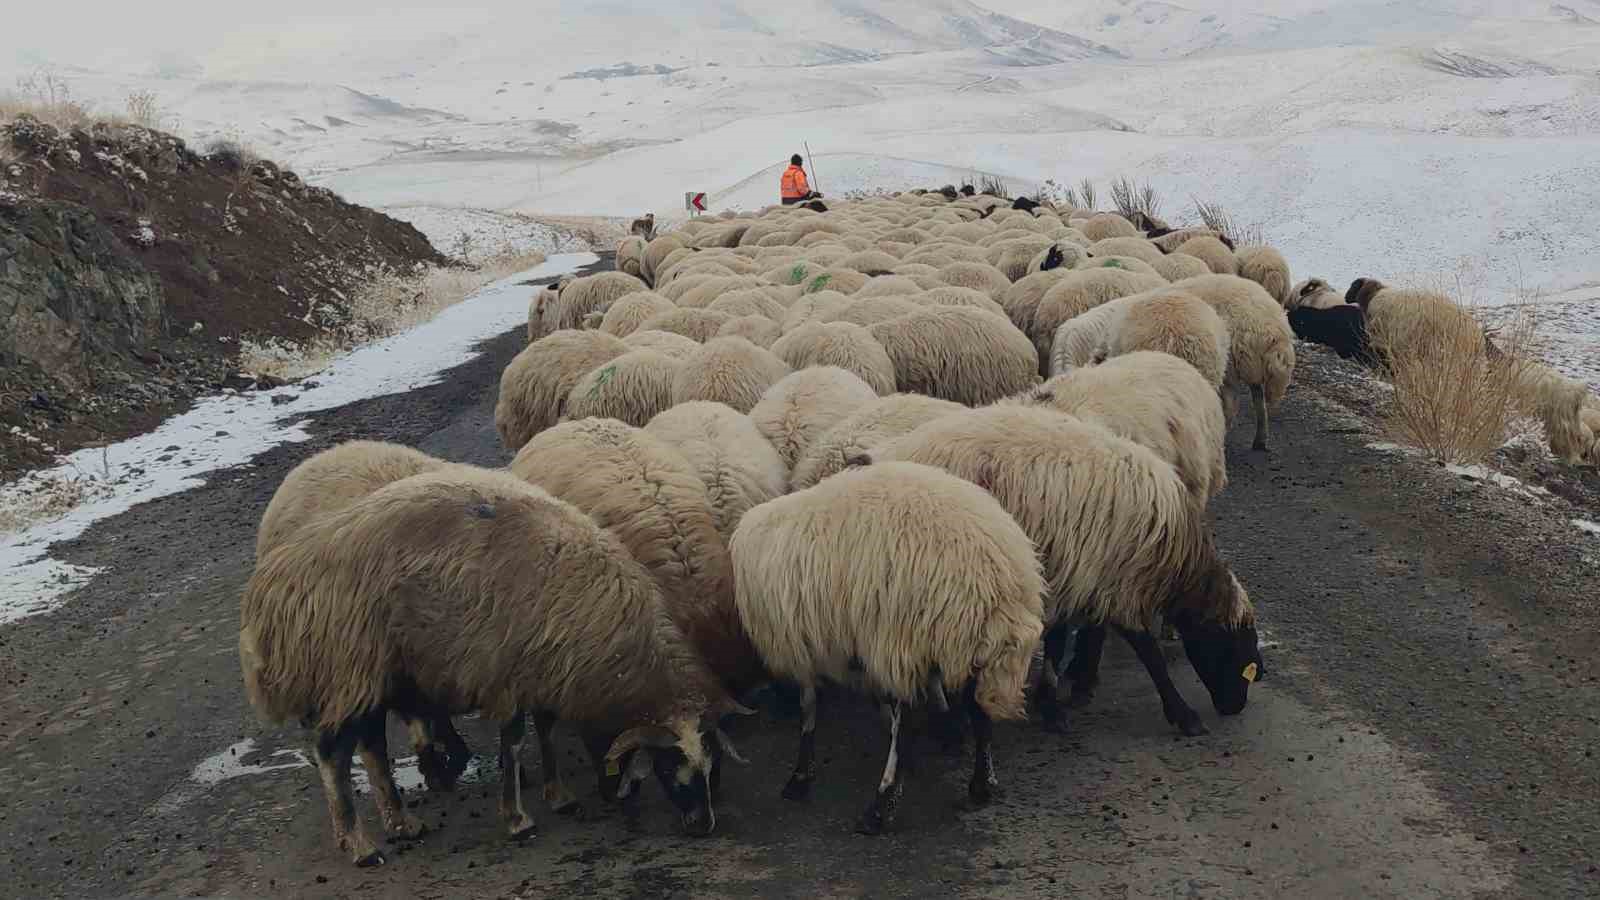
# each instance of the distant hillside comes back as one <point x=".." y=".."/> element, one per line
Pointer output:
<point x="133" y="266"/>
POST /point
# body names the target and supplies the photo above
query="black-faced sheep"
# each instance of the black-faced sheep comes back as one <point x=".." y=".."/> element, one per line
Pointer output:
<point x="904" y="582"/>
<point x="472" y="591"/>
<point x="1123" y="544"/>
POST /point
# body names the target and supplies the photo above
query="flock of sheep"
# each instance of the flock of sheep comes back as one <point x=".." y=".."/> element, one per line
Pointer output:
<point x="890" y="446"/>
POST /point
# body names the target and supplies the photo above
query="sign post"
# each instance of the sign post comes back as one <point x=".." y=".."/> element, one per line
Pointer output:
<point x="695" y="202"/>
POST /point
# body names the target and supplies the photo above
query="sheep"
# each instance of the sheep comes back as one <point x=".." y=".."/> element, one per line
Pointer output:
<point x="738" y="466"/>
<point x="1214" y="253"/>
<point x="1122" y="541"/>
<point x="1014" y="258"/>
<point x="1126" y="263"/>
<point x="704" y="293"/>
<point x="1314" y="293"/>
<point x="1108" y="225"/>
<point x="1136" y="247"/>
<point x="758" y="330"/>
<point x="749" y="302"/>
<point x="1178" y="266"/>
<point x="633" y="388"/>
<point x="959" y="296"/>
<point x="1556" y="401"/>
<point x="329" y="481"/>
<point x="940" y="254"/>
<point x="664" y="342"/>
<point x="1153" y="399"/>
<point x="849" y="347"/>
<point x="900" y="580"/>
<point x="471" y="590"/>
<point x="535" y="384"/>
<point x="696" y="324"/>
<point x="647" y="493"/>
<point x="980" y="276"/>
<point x="798" y="409"/>
<point x="1169" y="240"/>
<point x="819" y="307"/>
<point x="655" y="252"/>
<point x="887" y="286"/>
<point x="1260" y="343"/>
<point x="625" y="315"/>
<point x="958" y="353"/>
<point x="1319" y="314"/>
<point x="728" y="370"/>
<point x="1059" y="255"/>
<point x="1266" y="267"/>
<point x="877" y="422"/>
<point x="630" y="255"/>
<point x="572" y="301"/>
<point x="1170" y="322"/>
<point x="874" y="310"/>
<point x="1080" y="292"/>
<point x="870" y="262"/>
<point x="1021" y="300"/>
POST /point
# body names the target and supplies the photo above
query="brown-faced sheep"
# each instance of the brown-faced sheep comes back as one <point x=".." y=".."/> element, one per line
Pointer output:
<point x="849" y="347"/>
<point x="737" y="464"/>
<point x="535" y="385"/>
<point x="477" y="592"/>
<point x="1266" y="267"/>
<point x="876" y="423"/>
<point x="634" y="387"/>
<point x="1123" y="545"/>
<point x="728" y="370"/>
<point x="797" y="410"/>
<point x="958" y="353"/>
<point x="905" y="581"/>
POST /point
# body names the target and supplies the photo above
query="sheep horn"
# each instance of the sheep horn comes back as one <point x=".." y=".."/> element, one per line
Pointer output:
<point x="640" y="736"/>
<point x="727" y="747"/>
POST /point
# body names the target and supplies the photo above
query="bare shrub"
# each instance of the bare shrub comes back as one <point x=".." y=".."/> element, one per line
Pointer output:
<point x="388" y="302"/>
<point x="1090" y="197"/>
<point x="1131" y="198"/>
<point x="1217" y="219"/>
<point x="1455" y="389"/>
<point x="47" y="96"/>
<point x="994" y="186"/>
<point x="144" y="108"/>
<point x="232" y="153"/>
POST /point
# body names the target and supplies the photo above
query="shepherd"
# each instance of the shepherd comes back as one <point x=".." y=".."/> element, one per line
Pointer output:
<point x="793" y="187"/>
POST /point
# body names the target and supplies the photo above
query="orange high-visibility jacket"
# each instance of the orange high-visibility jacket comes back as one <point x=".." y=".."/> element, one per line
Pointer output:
<point x="794" y="182"/>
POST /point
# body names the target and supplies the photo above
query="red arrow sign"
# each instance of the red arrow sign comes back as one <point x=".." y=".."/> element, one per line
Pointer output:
<point x="699" y="201"/>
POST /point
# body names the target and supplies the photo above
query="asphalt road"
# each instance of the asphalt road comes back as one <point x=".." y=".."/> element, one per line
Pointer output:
<point x="1427" y="728"/>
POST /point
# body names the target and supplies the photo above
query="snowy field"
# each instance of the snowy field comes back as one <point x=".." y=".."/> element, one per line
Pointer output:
<point x="230" y="429"/>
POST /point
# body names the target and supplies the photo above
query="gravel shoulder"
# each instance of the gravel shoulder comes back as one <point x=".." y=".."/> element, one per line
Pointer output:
<point x="1425" y="730"/>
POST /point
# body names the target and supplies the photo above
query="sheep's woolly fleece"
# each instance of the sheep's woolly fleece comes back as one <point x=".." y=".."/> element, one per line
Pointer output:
<point x="840" y="344"/>
<point x="902" y="567"/>
<point x="958" y="353"/>
<point x="535" y="385"/>
<point x="871" y="425"/>
<point x="631" y="388"/>
<point x="797" y="410"/>
<point x="728" y="370"/>
<point x="737" y="464"/>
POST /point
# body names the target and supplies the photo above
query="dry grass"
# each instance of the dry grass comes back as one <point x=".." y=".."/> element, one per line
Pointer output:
<point x="994" y="186"/>
<point x="1217" y="219"/>
<point x="1133" y="198"/>
<point x="37" y="498"/>
<point x="388" y="303"/>
<point x="1455" y="391"/>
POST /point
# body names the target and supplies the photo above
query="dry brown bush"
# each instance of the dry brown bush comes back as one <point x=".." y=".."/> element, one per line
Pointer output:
<point x="1217" y="219"/>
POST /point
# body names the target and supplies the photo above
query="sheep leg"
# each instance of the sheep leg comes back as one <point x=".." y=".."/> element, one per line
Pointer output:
<point x="1178" y="712"/>
<point x="556" y="796"/>
<point x="880" y="814"/>
<point x="1084" y="670"/>
<point x="1229" y="395"/>
<point x="1055" y="647"/>
<point x="440" y="766"/>
<point x="984" y="783"/>
<point x="333" y="751"/>
<point x="374" y="746"/>
<point x="805" y="766"/>
<point x="519" y="824"/>
<point x="1258" y="405"/>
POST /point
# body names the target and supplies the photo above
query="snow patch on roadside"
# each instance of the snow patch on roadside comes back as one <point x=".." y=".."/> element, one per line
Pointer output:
<point x="1480" y="473"/>
<point x="230" y="429"/>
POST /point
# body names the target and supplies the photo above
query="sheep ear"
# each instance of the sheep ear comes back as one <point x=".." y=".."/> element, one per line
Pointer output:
<point x="638" y="770"/>
<point x="640" y="736"/>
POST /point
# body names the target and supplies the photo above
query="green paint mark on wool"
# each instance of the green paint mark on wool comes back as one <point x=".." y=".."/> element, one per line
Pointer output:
<point x="1112" y="264"/>
<point x="601" y="379"/>
<point x="818" y="283"/>
<point x="797" y="274"/>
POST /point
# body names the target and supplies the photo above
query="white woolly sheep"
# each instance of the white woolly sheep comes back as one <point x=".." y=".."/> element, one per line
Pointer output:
<point x="796" y="411"/>
<point x="1178" y="266"/>
<point x="819" y="307"/>
<point x="1153" y="399"/>
<point x="977" y="275"/>
<point x="758" y="330"/>
<point x="1059" y="255"/>
<point x="535" y="385"/>
<point x="849" y="347"/>
<point x="905" y="581"/>
<point x="1122" y="541"/>
<point x="414" y="585"/>
<point x="1107" y="225"/>
<point x="1078" y="293"/>
<point x="1171" y="322"/>
<point x="634" y="387"/>
<point x="666" y="343"/>
<point x="728" y="370"/>
<point x="1126" y="263"/>
<point x="1170" y="241"/>
<point x="704" y="293"/>
<point x="958" y="296"/>
<point x="1266" y="267"/>
<point x="625" y="315"/>
<point x="1211" y="251"/>
<point x="876" y="423"/>
<point x="655" y="252"/>
<point x="874" y="310"/>
<point x="870" y="262"/>
<point x="735" y="462"/>
<point x="1260" y="343"/>
<point x="630" y="256"/>
<point x="750" y="302"/>
<point x="1558" y="402"/>
<point x="888" y="286"/>
<point x="1136" y="247"/>
<point x="696" y="324"/>
<point x="958" y="353"/>
<point x="1021" y="300"/>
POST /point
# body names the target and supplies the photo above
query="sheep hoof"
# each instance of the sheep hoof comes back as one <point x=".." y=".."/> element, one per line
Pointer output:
<point x="872" y="821"/>
<point x="521" y="828"/>
<point x="1259" y="444"/>
<point x="409" y="828"/>
<point x="1080" y="698"/>
<point x="368" y="860"/>
<point x="560" y="800"/>
<point x="980" y="793"/>
<point x="438" y="775"/>
<point x="1191" y="726"/>
<point x="797" y="789"/>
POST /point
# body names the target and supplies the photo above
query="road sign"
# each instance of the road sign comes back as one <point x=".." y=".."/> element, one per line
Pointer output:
<point x="695" y="201"/>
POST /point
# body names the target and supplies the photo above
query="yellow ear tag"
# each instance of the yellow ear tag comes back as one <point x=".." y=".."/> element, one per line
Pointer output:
<point x="1249" y="672"/>
<point x="613" y="769"/>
